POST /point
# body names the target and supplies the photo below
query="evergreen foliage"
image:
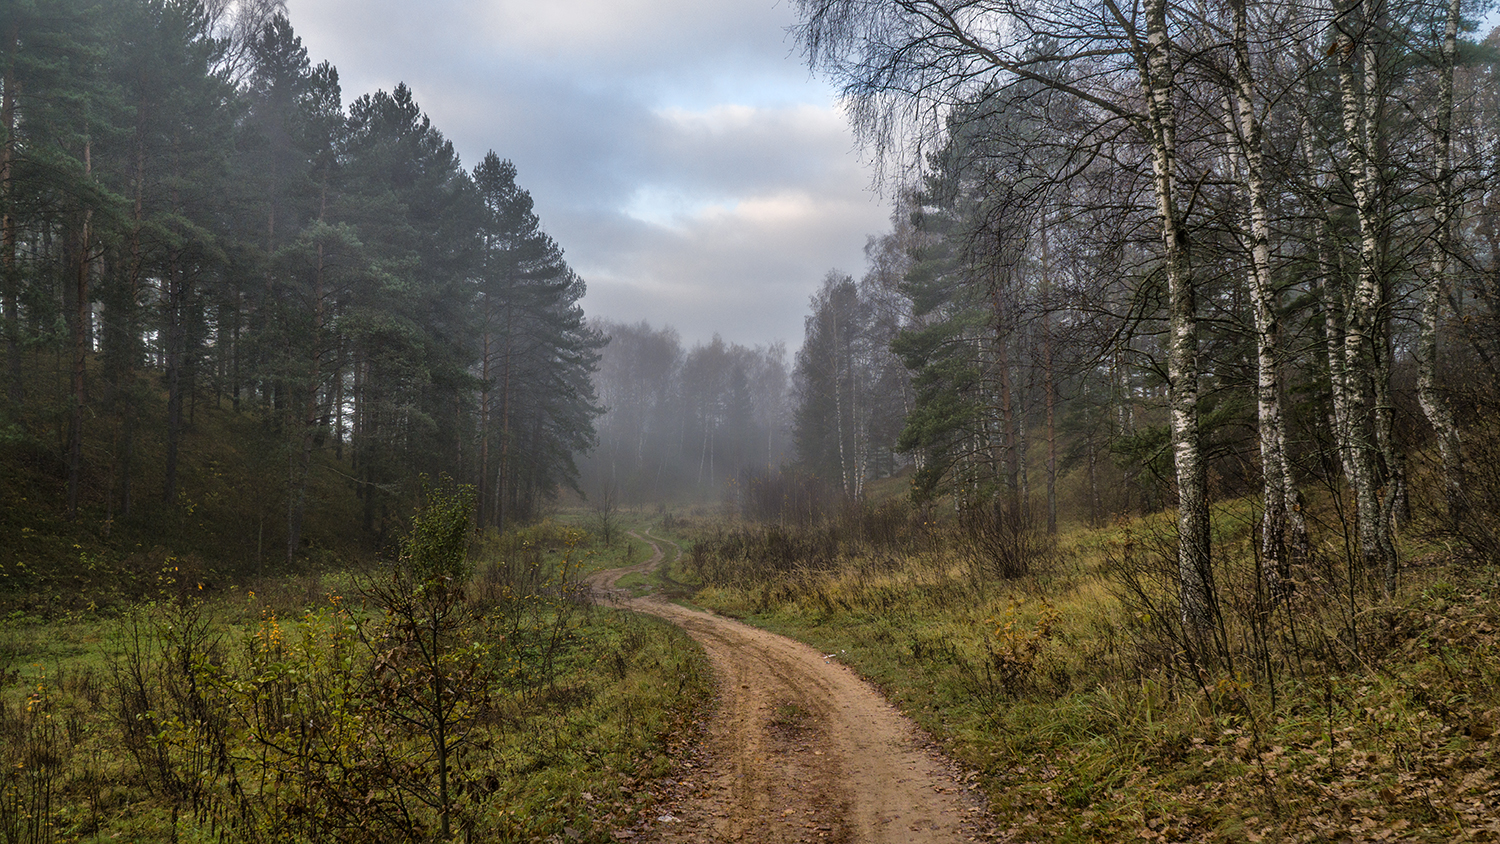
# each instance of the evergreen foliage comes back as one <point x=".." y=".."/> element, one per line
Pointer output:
<point x="189" y="208"/>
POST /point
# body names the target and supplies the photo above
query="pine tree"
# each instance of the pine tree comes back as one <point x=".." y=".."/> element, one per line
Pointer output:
<point x="536" y="399"/>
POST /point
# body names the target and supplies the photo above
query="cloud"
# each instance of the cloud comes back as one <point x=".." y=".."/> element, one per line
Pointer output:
<point x="616" y="29"/>
<point x="745" y="271"/>
<point x="694" y="173"/>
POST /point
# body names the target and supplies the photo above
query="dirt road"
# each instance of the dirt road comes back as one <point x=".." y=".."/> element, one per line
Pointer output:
<point x="800" y="749"/>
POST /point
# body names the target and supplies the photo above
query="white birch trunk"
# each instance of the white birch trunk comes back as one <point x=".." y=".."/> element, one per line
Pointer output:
<point x="1434" y="406"/>
<point x="1395" y="509"/>
<point x="1330" y="290"/>
<point x="1283" y="529"/>
<point x="1194" y="559"/>
<point x="1049" y="384"/>
<point x="1363" y="306"/>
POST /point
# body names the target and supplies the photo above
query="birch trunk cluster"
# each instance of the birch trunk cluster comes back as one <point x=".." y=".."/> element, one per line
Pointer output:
<point x="1251" y="215"/>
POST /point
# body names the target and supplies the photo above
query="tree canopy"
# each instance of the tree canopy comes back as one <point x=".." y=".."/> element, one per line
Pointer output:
<point x="189" y="207"/>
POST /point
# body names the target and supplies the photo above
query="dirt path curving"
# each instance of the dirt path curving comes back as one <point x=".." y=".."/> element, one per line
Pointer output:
<point x="800" y="749"/>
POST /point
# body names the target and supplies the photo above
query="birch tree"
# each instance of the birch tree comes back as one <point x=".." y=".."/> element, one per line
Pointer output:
<point x="903" y="65"/>
<point x="1282" y="522"/>
<point x="833" y="378"/>
<point x="1434" y="405"/>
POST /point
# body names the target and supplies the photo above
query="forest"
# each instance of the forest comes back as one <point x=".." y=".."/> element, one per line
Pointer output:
<point x="1181" y="260"/>
<point x="684" y="427"/>
<point x="1150" y="464"/>
<point x="1151" y="461"/>
<point x="193" y="219"/>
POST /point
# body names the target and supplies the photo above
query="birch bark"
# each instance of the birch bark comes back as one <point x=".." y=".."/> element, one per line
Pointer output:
<point x="1362" y="308"/>
<point x="1283" y="529"/>
<point x="1049" y="384"/>
<point x="1194" y="559"/>
<point x="1434" y="406"/>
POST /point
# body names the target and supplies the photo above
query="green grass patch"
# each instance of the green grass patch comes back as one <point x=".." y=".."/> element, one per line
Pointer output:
<point x="271" y="713"/>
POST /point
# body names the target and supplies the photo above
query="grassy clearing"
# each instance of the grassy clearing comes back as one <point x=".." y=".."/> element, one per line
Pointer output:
<point x="1329" y="720"/>
<point x="624" y="547"/>
<point x="249" y="714"/>
<point x="633" y="529"/>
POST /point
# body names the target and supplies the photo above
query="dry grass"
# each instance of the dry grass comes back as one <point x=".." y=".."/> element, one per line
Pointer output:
<point x="1340" y="715"/>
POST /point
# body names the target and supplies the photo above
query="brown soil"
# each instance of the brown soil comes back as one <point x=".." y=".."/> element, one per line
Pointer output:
<point x="799" y="749"/>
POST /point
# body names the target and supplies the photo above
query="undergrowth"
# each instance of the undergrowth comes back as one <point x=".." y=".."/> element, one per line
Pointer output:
<point x="1337" y="714"/>
<point x="305" y="709"/>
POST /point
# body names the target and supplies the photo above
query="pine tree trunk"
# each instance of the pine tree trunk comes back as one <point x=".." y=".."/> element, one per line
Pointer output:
<point x="482" y="487"/>
<point x="312" y="409"/>
<point x="179" y="291"/>
<point x="82" y="332"/>
<point x="235" y="354"/>
<point x="502" y="467"/>
<point x="339" y="364"/>
<point x="12" y="282"/>
<point x="357" y="414"/>
<point x="129" y="330"/>
<point x="176" y="342"/>
<point x="367" y="420"/>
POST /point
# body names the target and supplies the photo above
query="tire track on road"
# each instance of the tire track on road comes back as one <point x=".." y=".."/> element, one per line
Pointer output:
<point x="800" y="748"/>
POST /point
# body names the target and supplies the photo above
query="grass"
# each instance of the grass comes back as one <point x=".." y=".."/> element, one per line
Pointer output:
<point x="664" y="578"/>
<point x="634" y="528"/>
<point x="586" y="757"/>
<point x="584" y="712"/>
<point x="1376" y="722"/>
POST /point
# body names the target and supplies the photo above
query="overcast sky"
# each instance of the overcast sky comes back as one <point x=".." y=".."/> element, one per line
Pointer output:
<point x="678" y="150"/>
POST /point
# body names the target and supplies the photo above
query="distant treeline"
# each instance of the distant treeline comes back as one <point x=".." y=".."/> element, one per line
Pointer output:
<point x="189" y="209"/>
<point x="685" y="425"/>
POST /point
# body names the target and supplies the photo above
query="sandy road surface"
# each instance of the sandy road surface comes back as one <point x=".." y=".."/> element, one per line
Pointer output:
<point x="800" y="749"/>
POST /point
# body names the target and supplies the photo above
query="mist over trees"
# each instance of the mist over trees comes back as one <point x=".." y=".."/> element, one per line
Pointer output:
<point x="682" y="425"/>
<point x="189" y="207"/>
<point x="852" y="391"/>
